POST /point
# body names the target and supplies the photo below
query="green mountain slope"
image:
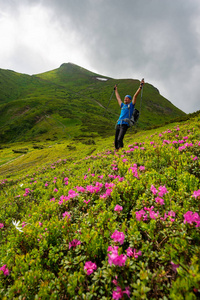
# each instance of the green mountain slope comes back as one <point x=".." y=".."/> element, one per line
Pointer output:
<point x="70" y="102"/>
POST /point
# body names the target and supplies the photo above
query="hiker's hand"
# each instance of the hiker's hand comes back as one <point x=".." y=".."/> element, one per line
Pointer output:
<point x="142" y="82"/>
<point x="115" y="87"/>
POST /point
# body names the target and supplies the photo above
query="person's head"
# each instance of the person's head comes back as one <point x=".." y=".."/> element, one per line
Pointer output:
<point x="127" y="99"/>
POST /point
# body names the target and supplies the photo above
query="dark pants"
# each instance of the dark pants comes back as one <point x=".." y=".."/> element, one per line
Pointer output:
<point x="119" y="135"/>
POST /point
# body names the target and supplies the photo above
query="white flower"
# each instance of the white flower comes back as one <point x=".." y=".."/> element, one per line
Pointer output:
<point x="17" y="225"/>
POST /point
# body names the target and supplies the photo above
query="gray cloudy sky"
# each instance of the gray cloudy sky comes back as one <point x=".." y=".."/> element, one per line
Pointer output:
<point x="155" y="39"/>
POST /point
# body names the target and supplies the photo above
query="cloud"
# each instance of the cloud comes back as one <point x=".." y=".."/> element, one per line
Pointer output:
<point x="157" y="40"/>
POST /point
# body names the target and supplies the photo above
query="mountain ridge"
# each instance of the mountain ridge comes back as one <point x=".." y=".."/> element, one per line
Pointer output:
<point x="74" y="97"/>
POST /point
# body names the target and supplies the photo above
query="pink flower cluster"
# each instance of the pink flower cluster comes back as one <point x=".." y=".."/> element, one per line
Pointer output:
<point x="27" y="191"/>
<point x="109" y="189"/>
<point x="106" y="194"/>
<point x="5" y="270"/>
<point x="119" y="260"/>
<point x="190" y="218"/>
<point x="134" y="170"/>
<point x="94" y="189"/>
<point x="66" y="214"/>
<point x="159" y="200"/>
<point x="71" y="194"/>
<point x="62" y="199"/>
<point x="194" y="157"/>
<point x="174" y="266"/>
<point x="171" y="215"/>
<point x="161" y="190"/>
<point x="196" y="194"/>
<point x="133" y="252"/>
<point x="118" y="208"/>
<point x="80" y="189"/>
<point x="114" y="258"/>
<point x="74" y="243"/>
<point x="116" y="177"/>
<point x="66" y="180"/>
<point x="133" y="148"/>
<point x="86" y="201"/>
<point x="185" y="146"/>
<point x="118" y="293"/>
<point x="90" y="267"/>
<point x="118" y="236"/>
<point x="1" y="225"/>
<point x="143" y="215"/>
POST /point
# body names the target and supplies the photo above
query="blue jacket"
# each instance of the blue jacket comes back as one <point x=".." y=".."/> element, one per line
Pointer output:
<point x="126" y="113"/>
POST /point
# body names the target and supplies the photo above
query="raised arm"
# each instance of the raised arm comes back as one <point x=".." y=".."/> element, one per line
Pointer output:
<point x="117" y="96"/>
<point x="138" y="91"/>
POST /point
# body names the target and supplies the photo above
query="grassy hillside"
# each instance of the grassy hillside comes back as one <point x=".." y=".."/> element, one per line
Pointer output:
<point x="69" y="102"/>
<point x="88" y="223"/>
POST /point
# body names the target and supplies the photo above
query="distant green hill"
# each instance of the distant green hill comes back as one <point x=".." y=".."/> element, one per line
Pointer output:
<point x="70" y="102"/>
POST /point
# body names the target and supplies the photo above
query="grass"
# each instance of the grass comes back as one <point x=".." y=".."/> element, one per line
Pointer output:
<point x="63" y="198"/>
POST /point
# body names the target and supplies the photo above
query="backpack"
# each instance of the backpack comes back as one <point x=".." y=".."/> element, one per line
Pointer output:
<point x="134" y="118"/>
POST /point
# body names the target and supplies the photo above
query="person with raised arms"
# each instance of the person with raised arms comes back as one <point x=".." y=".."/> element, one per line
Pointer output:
<point x="127" y="108"/>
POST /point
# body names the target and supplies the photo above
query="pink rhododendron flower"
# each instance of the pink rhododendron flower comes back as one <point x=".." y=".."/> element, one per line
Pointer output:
<point x="159" y="201"/>
<point x="118" y="208"/>
<point x="142" y="168"/>
<point x="129" y="251"/>
<point x="5" y="270"/>
<point x="80" y="189"/>
<point x="118" y="236"/>
<point x="196" y="194"/>
<point x="1" y="225"/>
<point x="90" y="267"/>
<point x="181" y="148"/>
<point x="141" y="214"/>
<point x="194" y="158"/>
<point x="190" y="218"/>
<point x="174" y="266"/>
<point x="71" y="194"/>
<point x="114" y="258"/>
<point x="153" y="189"/>
<point x="171" y="215"/>
<point x="125" y="160"/>
<point x="107" y="194"/>
<point x="62" y="199"/>
<point x="136" y="254"/>
<point x="134" y="170"/>
<point x="109" y="185"/>
<point x="85" y="201"/>
<point x="162" y="191"/>
<point x="74" y="243"/>
<point x="118" y="293"/>
<point x="153" y="214"/>
<point x="92" y="189"/>
<point x="133" y="252"/>
<point x="66" y="214"/>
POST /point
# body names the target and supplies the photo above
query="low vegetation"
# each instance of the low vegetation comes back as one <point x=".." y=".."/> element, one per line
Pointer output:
<point x="79" y="221"/>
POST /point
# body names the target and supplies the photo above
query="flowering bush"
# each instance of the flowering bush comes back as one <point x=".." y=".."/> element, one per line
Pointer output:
<point x="107" y="226"/>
